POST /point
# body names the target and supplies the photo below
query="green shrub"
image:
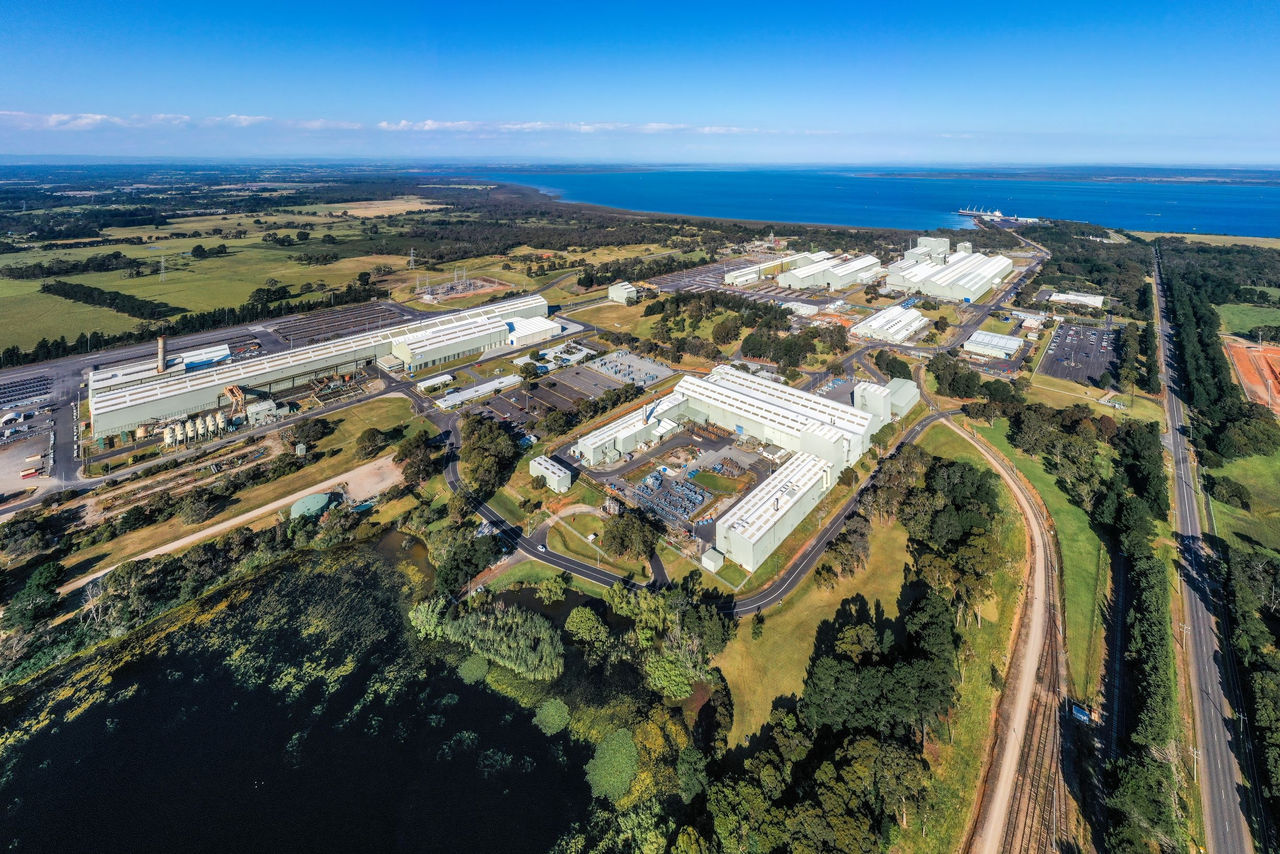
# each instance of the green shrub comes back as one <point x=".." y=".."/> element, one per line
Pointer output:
<point x="552" y="716"/>
<point x="612" y="769"/>
<point x="474" y="669"/>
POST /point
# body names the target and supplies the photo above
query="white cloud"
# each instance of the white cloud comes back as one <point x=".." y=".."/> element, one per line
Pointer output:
<point x="236" y="120"/>
<point x="57" y="121"/>
<point x="23" y="121"/>
<point x="427" y="125"/>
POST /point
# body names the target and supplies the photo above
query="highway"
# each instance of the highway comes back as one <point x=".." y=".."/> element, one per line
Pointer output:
<point x="1223" y="795"/>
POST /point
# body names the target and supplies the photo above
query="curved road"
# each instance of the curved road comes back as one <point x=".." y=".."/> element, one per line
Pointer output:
<point x="744" y="606"/>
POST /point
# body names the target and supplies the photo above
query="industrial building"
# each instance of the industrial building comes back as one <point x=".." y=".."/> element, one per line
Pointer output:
<point x="888" y="402"/>
<point x="894" y="324"/>
<point x="931" y="269"/>
<point x="823" y="435"/>
<point x="1077" y="298"/>
<point x="993" y="344"/>
<point x="624" y="293"/>
<point x="759" y="272"/>
<point x="455" y="397"/>
<point x="122" y="398"/>
<point x="832" y="274"/>
<point x="559" y="478"/>
<point x="755" y="526"/>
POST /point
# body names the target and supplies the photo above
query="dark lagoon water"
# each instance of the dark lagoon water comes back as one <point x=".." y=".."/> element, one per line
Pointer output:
<point x="848" y="198"/>
<point x="301" y="718"/>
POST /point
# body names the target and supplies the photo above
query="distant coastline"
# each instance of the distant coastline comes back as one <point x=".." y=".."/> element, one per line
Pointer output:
<point x="1188" y="201"/>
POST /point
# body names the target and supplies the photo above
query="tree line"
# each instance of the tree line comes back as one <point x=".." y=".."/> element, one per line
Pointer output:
<point x="143" y="309"/>
<point x="1224" y="423"/>
<point x="102" y="263"/>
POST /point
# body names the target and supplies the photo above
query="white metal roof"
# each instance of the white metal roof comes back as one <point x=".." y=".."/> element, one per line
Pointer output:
<point x="432" y="339"/>
<point x="548" y="466"/>
<point x="995" y="339"/>
<point x="815" y="268"/>
<point x="239" y="373"/>
<point x="761" y="509"/>
<point x="864" y="262"/>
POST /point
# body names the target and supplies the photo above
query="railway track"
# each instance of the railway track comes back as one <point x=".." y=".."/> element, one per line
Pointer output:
<point x="1027" y="816"/>
<point x="1038" y="792"/>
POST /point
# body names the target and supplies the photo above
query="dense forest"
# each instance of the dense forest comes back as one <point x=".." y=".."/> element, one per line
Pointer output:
<point x="1083" y="260"/>
<point x="1253" y="603"/>
<point x="104" y="263"/>
<point x="1224" y="424"/>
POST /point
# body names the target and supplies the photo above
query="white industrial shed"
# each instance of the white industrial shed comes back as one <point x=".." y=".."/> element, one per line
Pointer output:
<point x="756" y="272"/>
<point x="623" y="292"/>
<point x="825" y="437"/>
<point x="178" y="394"/>
<point x="523" y="331"/>
<point x="960" y="276"/>
<point x="559" y="478"/>
<point x="755" y="526"/>
<point x="809" y="276"/>
<point x="894" y="324"/>
<point x="993" y="344"/>
<point x="1077" y="298"/>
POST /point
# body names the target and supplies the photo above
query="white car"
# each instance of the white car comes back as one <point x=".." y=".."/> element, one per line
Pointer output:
<point x="542" y="548"/>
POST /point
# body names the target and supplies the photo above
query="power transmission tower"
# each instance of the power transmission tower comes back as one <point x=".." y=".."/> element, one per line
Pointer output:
<point x="411" y="257"/>
<point x="162" y="268"/>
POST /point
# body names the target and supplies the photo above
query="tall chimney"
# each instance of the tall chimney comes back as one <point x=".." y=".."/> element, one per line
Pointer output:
<point x="160" y="355"/>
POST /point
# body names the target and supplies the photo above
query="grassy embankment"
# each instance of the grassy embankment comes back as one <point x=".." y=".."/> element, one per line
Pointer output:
<point x="1260" y="524"/>
<point x="1086" y="567"/>
<point x="383" y="413"/>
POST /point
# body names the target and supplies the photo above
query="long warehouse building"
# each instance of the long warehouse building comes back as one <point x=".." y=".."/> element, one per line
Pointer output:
<point x="894" y="324"/>
<point x="136" y="396"/>
<point x="826" y="437"/>
<point x="962" y="276"/>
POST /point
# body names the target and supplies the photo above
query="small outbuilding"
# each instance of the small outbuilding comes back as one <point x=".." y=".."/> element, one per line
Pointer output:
<point x="623" y="292"/>
<point x="313" y="505"/>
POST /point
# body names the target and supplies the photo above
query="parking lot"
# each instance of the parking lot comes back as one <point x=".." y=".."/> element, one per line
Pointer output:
<point x="25" y="392"/>
<point x="561" y="390"/>
<point x="707" y="274"/>
<point x="1080" y="353"/>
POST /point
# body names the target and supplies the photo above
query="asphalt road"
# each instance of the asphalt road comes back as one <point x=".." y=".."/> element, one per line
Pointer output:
<point x="744" y="606"/>
<point x="1225" y="800"/>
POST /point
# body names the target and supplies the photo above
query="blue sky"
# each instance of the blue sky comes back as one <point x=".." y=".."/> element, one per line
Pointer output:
<point x="880" y="83"/>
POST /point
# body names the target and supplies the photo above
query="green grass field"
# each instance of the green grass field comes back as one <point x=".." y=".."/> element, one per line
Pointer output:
<point x="534" y="572"/>
<point x="1086" y="568"/>
<point x="1060" y="393"/>
<point x="568" y="543"/>
<point x="1260" y="525"/>
<point x="1238" y="318"/>
<point x="721" y="484"/>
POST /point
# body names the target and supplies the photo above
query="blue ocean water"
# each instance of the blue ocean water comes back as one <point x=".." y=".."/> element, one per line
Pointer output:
<point x="847" y="198"/>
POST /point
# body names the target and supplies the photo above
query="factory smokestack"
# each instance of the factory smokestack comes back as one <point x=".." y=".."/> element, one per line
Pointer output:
<point x="161" y="357"/>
